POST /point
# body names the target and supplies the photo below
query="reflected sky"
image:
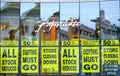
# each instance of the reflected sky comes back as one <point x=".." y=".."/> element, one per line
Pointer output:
<point x="68" y="10"/>
<point x="47" y="9"/>
<point x="2" y="4"/>
<point x="111" y="11"/>
<point x="88" y="10"/>
<point x="26" y="6"/>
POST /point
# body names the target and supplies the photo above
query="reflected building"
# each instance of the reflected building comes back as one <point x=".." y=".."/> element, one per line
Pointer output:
<point x="86" y="32"/>
<point x="118" y="33"/>
<point x="108" y="30"/>
<point x="29" y="20"/>
<point x="46" y="32"/>
<point x="82" y="30"/>
<point x="9" y="21"/>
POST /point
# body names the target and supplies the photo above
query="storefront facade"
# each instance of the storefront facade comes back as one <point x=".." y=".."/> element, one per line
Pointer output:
<point x="71" y="37"/>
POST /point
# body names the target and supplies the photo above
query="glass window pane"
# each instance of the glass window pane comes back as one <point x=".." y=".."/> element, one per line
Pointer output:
<point x="30" y="15"/>
<point x="9" y="37"/>
<point x="69" y="36"/>
<point x="88" y="12"/>
<point x="110" y="30"/>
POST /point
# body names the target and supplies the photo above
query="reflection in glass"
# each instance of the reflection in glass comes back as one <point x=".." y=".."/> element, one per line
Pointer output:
<point x="51" y="16"/>
<point x="109" y="16"/>
<point x="9" y="27"/>
<point x="109" y="19"/>
<point x="69" y="13"/>
<point x="88" y="11"/>
<point x="30" y="13"/>
<point x="9" y="36"/>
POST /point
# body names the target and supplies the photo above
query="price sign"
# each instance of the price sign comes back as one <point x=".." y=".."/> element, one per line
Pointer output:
<point x="89" y="42"/>
<point x="9" y="43"/>
<point x="29" y="43"/>
<point x="110" y="42"/>
<point x="49" y="43"/>
<point x="70" y="43"/>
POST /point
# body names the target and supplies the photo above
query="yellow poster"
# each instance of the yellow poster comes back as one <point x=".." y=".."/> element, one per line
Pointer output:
<point x="49" y="58"/>
<point x="110" y="55"/>
<point x="0" y="58"/>
<point x="29" y="60"/>
<point x="9" y="59"/>
<point x="90" y="60"/>
<point x="110" y="59"/>
<point x="119" y="55"/>
<point x="69" y="60"/>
